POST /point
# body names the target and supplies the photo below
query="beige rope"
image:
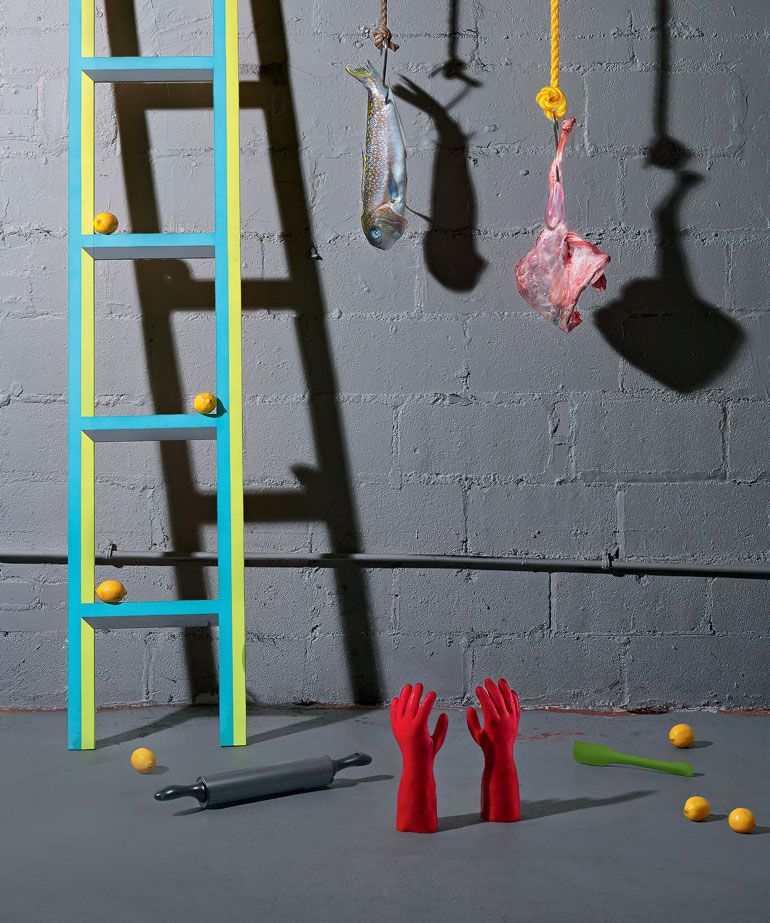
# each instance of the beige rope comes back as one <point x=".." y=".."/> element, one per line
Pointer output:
<point x="382" y="35"/>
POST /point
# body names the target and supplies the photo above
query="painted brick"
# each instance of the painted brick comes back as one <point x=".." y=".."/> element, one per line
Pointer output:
<point x="589" y="669"/>
<point x="402" y="658"/>
<point x="33" y="669"/>
<point x="482" y="602"/>
<point x="703" y="521"/>
<point x="378" y="356"/>
<point x="712" y="129"/>
<point x="698" y="671"/>
<point x="126" y="685"/>
<point x="621" y="440"/>
<point x="740" y="607"/>
<point x="281" y="438"/>
<point x="588" y="604"/>
<point x="748" y="283"/>
<point x="15" y="595"/>
<point x="749" y="458"/>
<point x="181" y="665"/>
<point x="295" y="603"/>
<point x="475" y="439"/>
<point x="551" y="521"/>
<point x="275" y="670"/>
<point x="720" y="201"/>
<point x="415" y="518"/>
<point x="524" y="354"/>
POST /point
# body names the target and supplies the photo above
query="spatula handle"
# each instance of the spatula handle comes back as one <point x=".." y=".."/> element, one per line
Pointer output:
<point x="675" y="769"/>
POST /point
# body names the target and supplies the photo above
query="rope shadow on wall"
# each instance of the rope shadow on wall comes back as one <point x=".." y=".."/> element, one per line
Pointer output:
<point x="450" y="243"/>
<point x="325" y="493"/>
<point x="660" y="325"/>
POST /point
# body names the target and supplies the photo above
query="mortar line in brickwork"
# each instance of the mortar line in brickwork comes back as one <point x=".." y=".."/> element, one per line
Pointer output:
<point x="606" y="565"/>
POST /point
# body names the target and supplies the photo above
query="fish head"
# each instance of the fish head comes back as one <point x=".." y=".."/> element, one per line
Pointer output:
<point x="383" y="227"/>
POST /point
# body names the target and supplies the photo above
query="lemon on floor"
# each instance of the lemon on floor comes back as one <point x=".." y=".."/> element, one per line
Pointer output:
<point x="143" y="760"/>
<point x="111" y="591"/>
<point x="741" y="820"/>
<point x="105" y="223"/>
<point x="696" y="808"/>
<point x="682" y="736"/>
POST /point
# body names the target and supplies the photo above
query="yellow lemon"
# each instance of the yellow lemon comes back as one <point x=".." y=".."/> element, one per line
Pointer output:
<point x="696" y="808"/>
<point x="111" y="591"/>
<point x="682" y="736"/>
<point x="205" y="402"/>
<point x="143" y="760"/>
<point x="741" y="820"/>
<point x="105" y="223"/>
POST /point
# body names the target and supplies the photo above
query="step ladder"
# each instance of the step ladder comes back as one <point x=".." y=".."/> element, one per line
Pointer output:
<point x="85" y="428"/>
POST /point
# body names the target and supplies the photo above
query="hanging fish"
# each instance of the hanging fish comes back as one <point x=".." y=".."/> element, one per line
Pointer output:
<point x="383" y="188"/>
<point x="561" y="265"/>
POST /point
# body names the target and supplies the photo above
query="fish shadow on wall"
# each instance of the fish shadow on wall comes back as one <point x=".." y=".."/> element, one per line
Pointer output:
<point x="660" y="325"/>
<point x="450" y="244"/>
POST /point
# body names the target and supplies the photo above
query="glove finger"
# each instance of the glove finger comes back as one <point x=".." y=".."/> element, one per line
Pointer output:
<point x="495" y="695"/>
<point x="487" y="705"/>
<point x="414" y="701"/>
<point x="394" y="712"/>
<point x="507" y="695"/>
<point x="403" y="699"/>
<point x="439" y="732"/>
<point x="427" y="703"/>
<point x="516" y="704"/>
<point x="474" y="725"/>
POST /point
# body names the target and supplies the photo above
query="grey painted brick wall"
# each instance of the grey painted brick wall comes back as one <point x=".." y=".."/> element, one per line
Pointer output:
<point x="411" y="402"/>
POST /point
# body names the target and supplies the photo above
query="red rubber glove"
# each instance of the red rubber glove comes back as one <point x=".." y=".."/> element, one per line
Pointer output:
<point x="416" y="811"/>
<point x="500" y="783"/>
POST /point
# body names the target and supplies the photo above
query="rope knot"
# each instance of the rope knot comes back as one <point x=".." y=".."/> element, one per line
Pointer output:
<point x="383" y="38"/>
<point x="553" y="102"/>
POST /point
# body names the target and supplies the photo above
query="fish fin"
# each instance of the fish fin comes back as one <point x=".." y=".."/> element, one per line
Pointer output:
<point x="367" y="74"/>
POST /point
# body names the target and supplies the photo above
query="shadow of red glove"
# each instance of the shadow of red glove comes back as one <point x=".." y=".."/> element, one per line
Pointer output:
<point x="499" y="783"/>
<point x="416" y="811"/>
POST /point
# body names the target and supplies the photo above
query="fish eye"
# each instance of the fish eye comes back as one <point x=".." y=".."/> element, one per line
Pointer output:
<point x="375" y="233"/>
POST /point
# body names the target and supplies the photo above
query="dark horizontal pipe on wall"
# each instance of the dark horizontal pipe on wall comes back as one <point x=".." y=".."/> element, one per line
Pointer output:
<point x="607" y="565"/>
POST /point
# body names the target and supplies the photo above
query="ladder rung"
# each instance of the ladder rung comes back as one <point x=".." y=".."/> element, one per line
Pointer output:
<point x="150" y="69"/>
<point x="148" y="246"/>
<point x="178" y="612"/>
<point x="150" y="428"/>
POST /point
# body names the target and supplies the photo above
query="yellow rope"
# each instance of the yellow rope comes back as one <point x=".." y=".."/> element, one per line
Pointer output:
<point x="551" y="99"/>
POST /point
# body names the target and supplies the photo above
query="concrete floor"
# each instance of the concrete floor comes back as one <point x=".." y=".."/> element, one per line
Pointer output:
<point x="82" y="839"/>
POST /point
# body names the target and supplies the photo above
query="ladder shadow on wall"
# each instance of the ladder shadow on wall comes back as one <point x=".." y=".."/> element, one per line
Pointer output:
<point x="325" y="492"/>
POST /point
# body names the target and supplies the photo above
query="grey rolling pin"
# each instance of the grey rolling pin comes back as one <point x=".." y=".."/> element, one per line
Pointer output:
<point x="249" y="784"/>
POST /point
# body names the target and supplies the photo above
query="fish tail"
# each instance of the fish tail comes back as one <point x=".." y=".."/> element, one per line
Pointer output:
<point x="368" y="75"/>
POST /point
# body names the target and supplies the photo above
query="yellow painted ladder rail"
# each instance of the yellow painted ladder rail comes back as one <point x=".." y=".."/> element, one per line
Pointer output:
<point x="86" y="428"/>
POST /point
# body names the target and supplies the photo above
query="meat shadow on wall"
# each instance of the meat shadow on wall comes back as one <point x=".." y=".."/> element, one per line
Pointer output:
<point x="660" y="325"/>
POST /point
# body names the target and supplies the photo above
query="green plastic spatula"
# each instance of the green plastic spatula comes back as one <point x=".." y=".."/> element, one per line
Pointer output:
<point x="597" y="755"/>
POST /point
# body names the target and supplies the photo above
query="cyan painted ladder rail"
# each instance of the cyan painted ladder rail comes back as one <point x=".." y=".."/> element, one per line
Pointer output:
<point x="86" y="428"/>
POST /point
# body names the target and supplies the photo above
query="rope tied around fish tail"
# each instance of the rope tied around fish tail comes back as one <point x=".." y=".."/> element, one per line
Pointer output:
<point x="551" y="99"/>
<point x="382" y="36"/>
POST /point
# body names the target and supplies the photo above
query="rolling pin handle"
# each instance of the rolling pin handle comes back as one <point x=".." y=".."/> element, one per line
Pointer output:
<point x="197" y="790"/>
<point x="347" y="762"/>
